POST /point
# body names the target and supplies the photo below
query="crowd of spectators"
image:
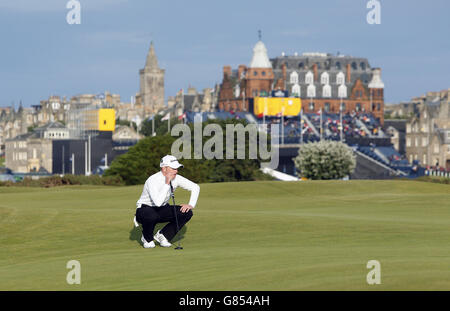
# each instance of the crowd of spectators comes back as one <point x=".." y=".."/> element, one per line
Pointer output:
<point x="354" y="125"/>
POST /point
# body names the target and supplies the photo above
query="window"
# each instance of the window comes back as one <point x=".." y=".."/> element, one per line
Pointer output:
<point x="342" y="91"/>
<point x="301" y="65"/>
<point x="342" y="106"/>
<point x="327" y="107"/>
<point x="311" y="106"/>
<point x="311" y="91"/>
<point x="410" y="158"/>
<point x="408" y="142"/>
<point x="295" y="90"/>
<point x="325" y="78"/>
<point x="294" y="77"/>
<point x="358" y="107"/>
<point x="378" y="106"/>
<point x="255" y="73"/>
<point x="416" y="142"/>
<point x="424" y="159"/>
<point x="338" y="65"/>
<point x="326" y="92"/>
<point x="408" y="128"/>
<point x="340" y="78"/>
<point x="309" y="78"/>
<point x="354" y="66"/>
<point x="363" y="65"/>
<point x="263" y="73"/>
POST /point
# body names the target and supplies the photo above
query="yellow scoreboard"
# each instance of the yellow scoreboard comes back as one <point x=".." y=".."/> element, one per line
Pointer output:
<point x="106" y="120"/>
<point x="272" y="106"/>
<point x="100" y="119"/>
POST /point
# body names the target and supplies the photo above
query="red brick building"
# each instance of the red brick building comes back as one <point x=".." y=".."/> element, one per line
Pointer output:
<point x="322" y="81"/>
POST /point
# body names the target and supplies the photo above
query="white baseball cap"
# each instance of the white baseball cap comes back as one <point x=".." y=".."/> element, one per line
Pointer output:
<point x="171" y="161"/>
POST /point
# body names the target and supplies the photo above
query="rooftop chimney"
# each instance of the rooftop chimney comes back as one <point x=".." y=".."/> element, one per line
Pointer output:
<point x="349" y="74"/>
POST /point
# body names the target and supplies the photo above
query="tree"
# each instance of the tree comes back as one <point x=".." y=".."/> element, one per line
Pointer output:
<point x="325" y="160"/>
<point x="142" y="160"/>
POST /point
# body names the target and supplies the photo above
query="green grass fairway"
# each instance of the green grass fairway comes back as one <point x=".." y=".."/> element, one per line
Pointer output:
<point x="314" y="235"/>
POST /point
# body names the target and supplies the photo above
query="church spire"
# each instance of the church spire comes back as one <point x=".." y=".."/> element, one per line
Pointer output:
<point x="152" y="61"/>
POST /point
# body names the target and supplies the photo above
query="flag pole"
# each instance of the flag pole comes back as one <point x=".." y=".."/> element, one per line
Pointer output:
<point x="342" y="125"/>
<point x="168" y="124"/>
<point x="301" y="126"/>
<point x="282" y="125"/>
<point x="153" y="125"/>
<point x="320" y="123"/>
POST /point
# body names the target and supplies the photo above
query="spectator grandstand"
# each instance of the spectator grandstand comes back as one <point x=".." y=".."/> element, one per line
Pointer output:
<point x="360" y="130"/>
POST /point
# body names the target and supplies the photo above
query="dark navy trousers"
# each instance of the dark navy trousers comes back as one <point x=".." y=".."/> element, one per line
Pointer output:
<point x="149" y="216"/>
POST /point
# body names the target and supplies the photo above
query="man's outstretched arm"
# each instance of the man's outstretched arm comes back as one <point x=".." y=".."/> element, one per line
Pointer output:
<point x="193" y="188"/>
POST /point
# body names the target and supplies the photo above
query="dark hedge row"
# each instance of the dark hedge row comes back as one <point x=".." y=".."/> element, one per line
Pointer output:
<point x="66" y="180"/>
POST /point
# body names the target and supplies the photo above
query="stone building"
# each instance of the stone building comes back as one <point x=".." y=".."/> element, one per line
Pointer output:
<point x="193" y="101"/>
<point x="428" y="131"/>
<point x="403" y="110"/>
<point x="32" y="152"/>
<point x="322" y="81"/>
<point x="53" y="109"/>
<point x="151" y="95"/>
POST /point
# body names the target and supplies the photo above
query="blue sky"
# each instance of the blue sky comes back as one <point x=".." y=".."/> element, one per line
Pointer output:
<point x="42" y="55"/>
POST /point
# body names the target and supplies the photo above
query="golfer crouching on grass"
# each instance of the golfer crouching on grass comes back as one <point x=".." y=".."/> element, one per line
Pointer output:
<point x="153" y="207"/>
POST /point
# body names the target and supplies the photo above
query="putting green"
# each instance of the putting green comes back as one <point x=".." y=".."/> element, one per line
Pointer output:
<point x="314" y="235"/>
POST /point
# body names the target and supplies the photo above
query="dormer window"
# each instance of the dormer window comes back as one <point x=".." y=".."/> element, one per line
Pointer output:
<point x="338" y="65"/>
<point x="294" y="77"/>
<point x="325" y="78"/>
<point x="340" y="78"/>
<point x="311" y="91"/>
<point x="295" y="90"/>
<point x="342" y="91"/>
<point x="326" y="92"/>
<point x="309" y="78"/>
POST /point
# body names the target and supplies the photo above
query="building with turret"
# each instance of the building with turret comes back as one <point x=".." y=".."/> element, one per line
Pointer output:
<point x="322" y="81"/>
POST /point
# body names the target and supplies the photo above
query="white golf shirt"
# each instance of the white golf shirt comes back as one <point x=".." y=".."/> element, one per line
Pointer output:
<point x="157" y="193"/>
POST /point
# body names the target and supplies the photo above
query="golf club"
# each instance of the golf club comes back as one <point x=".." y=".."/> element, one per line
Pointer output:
<point x="175" y="211"/>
